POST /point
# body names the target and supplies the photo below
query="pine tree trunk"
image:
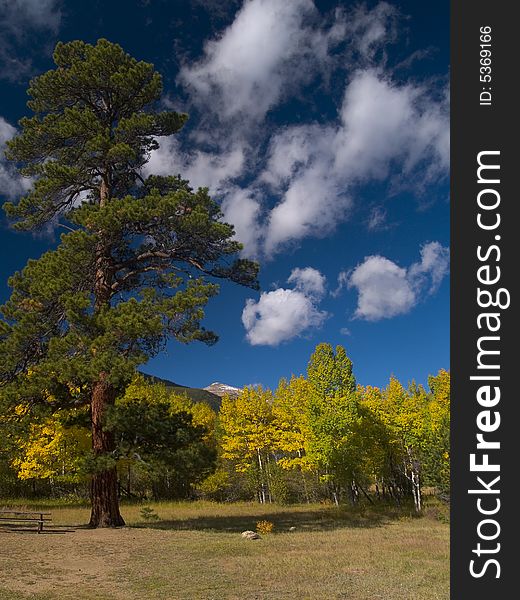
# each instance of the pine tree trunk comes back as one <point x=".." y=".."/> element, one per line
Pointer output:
<point x="103" y="487"/>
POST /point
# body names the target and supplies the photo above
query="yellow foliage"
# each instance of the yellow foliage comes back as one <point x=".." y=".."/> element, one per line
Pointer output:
<point x="51" y="450"/>
<point x="247" y="427"/>
<point x="264" y="527"/>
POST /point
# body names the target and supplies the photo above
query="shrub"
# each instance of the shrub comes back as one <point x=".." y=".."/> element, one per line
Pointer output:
<point x="148" y="514"/>
<point x="215" y="486"/>
<point x="264" y="527"/>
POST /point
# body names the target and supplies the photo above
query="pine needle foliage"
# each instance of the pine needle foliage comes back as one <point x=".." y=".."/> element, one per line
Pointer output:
<point x="141" y="254"/>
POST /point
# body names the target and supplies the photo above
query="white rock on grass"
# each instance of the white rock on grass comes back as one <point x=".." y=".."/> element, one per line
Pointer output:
<point x="250" y="535"/>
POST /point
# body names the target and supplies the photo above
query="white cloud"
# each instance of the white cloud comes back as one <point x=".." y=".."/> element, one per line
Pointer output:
<point x="309" y="281"/>
<point x="246" y="71"/>
<point x="377" y="219"/>
<point x="382" y="122"/>
<point x="283" y="314"/>
<point x="342" y="283"/>
<point x="434" y="266"/>
<point x="372" y="29"/>
<point x="279" y="316"/>
<point x="38" y="14"/>
<point x="383" y="289"/>
<point x="386" y="290"/>
<point x="213" y="170"/>
<point x="311" y="206"/>
<point x="308" y="179"/>
<point x="242" y="210"/>
<point x="381" y="126"/>
<point x="11" y="183"/>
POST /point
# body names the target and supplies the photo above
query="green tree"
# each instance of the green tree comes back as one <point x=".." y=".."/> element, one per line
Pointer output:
<point x="384" y="451"/>
<point x="436" y="450"/>
<point x="330" y="372"/>
<point x="164" y="443"/>
<point x="173" y="449"/>
<point x="335" y="419"/>
<point x="133" y="269"/>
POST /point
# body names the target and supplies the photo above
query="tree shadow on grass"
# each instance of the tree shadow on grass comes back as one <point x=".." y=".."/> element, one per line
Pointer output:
<point x="302" y="521"/>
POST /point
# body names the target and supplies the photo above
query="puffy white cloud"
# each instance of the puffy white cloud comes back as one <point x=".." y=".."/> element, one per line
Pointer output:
<point x="383" y="289"/>
<point x="309" y="281"/>
<point x="267" y="53"/>
<point x="311" y="206"/>
<point x="307" y="181"/>
<point x="382" y="122"/>
<point x="283" y="314"/>
<point x="272" y="47"/>
<point x="11" y="183"/>
<point x="294" y="149"/>
<point x="247" y="70"/>
<point x="38" y="14"/>
<point x="213" y="170"/>
<point x="316" y="169"/>
<point x="279" y="316"/>
<point x="386" y="290"/>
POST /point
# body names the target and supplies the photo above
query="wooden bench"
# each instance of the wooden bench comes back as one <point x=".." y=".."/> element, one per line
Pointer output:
<point x="15" y="516"/>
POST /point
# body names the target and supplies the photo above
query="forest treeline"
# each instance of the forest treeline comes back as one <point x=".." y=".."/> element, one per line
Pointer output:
<point x="316" y="437"/>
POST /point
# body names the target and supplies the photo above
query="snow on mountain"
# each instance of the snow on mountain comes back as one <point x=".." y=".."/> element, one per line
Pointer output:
<point x="222" y="389"/>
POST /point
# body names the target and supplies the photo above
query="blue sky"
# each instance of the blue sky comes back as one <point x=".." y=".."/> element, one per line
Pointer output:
<point x="322" y="128"/>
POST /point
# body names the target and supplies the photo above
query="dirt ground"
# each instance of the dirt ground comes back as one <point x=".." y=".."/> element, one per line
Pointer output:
<point x="205" y="558"/>
<point x="66" y="562"/>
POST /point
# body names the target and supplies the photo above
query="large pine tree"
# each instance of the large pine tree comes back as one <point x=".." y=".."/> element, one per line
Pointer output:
<point x="133" y="268"/>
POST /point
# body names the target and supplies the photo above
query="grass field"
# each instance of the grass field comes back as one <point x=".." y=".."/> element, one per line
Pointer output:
<point x="195" y="552"/>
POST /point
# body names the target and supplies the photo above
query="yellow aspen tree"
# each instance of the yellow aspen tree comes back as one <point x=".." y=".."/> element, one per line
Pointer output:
<point x="247" y="434"/>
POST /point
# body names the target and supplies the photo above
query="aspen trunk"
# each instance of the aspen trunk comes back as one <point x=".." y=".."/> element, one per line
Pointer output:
<point x="415" y="481"/>
<point x="416" y="490"/>
<point x="304" y="480"/>
<point x="262" y="484"/>
<point x="268" y="478"/>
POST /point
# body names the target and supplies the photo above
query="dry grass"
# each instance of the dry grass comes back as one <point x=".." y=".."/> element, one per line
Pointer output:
<point x="195" y="552"/>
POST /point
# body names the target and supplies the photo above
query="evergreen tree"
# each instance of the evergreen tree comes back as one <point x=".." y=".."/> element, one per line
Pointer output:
<point x="164" y="442"/>
<point x="133" y="269"/>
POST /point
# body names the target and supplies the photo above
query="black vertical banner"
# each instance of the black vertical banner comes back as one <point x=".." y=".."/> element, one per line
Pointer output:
<point x="485" y="355"/>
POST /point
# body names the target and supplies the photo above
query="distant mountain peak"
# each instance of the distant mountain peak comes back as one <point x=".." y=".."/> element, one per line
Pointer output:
<point x="223" y="389"/>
